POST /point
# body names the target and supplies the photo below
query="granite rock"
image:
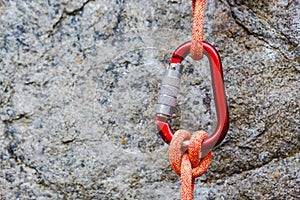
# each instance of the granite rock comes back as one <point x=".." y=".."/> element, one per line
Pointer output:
<point x="79" y="81"/>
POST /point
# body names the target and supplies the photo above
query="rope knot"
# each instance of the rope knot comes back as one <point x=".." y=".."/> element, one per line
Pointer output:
<point x="188" y="165"/>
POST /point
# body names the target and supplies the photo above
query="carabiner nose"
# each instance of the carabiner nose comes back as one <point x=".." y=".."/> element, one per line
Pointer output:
<point x="170" y="88"/>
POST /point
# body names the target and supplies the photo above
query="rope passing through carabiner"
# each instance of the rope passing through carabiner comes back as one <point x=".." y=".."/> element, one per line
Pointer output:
<point x="188" y="164"/>
<point x="198" y="29"/>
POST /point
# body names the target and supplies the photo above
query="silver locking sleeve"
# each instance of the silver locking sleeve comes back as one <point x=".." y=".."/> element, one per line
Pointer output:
<point x="169" y="89"/>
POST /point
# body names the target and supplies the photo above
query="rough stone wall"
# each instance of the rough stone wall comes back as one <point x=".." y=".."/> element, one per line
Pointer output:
<point x="79" y="82"/>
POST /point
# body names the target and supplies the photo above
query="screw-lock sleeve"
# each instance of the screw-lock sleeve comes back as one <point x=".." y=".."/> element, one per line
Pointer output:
<point x="169" y="90"/>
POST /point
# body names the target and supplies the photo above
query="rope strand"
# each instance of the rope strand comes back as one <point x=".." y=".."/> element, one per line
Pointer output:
<point x="198" y="29"/>
<point x="188" y="164"/>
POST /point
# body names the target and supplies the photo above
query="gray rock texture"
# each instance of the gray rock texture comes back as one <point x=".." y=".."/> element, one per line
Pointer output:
<point x="79" y="81"/>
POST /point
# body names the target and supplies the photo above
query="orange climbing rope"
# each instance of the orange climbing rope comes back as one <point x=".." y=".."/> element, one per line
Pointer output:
<point x="198" y="29"/>
<point x="188" y="164"/>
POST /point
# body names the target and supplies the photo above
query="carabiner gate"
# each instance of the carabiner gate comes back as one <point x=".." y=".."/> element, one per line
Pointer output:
<point x="170" y="89"/>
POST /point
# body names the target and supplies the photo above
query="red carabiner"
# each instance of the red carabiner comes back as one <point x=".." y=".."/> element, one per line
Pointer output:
<point x="170" y="88"/>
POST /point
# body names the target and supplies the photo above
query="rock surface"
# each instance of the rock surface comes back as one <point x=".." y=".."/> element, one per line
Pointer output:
<point x="79" y="81"/>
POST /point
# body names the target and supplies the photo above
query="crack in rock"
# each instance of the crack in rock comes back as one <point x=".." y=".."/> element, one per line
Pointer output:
<point x="66" y="13"/>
